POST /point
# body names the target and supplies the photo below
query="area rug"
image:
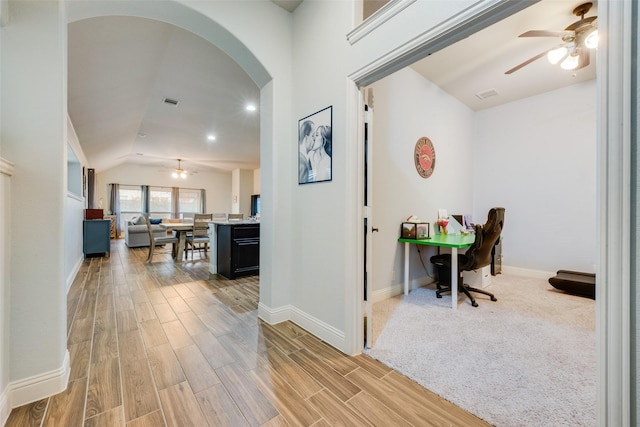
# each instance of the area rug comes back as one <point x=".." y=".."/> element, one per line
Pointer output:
<point x="526" y="360"/>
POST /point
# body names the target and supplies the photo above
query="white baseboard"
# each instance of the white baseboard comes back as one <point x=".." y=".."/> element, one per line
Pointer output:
<point x="5" y="408"/>
<point x="525" y="272"/>
<point x="38" y="387"/>
<point x="324" y="331"/>
<point x="398" y="288"/>
<point x="74" y="273"/>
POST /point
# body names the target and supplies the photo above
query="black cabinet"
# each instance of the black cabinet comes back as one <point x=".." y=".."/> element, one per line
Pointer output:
<point x="96" y="237"/>
<point x="238" y="250"/>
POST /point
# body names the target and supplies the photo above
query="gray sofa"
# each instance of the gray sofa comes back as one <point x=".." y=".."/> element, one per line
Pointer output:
<point x="136" y="234"/>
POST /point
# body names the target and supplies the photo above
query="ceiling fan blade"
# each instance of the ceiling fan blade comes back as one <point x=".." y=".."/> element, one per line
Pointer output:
<point x="545" y="33"/>
<point x="527" y="62"/>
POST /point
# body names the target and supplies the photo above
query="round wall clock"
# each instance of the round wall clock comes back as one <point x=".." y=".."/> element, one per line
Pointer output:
<point x="425" y="157"/>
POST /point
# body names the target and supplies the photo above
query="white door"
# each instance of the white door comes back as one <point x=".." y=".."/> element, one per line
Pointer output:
<point x="369" y="229"/>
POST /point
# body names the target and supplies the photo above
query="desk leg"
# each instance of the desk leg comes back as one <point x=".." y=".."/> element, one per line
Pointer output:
<point x="406" y="268"/>
<point x="454" y="278"/>
<point x="182" y="237"/>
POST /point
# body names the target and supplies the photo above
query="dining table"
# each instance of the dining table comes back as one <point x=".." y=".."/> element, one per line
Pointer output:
<point x="181" y="229"/>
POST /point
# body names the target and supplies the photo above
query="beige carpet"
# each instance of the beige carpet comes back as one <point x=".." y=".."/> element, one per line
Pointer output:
<point x="526" y="360"/>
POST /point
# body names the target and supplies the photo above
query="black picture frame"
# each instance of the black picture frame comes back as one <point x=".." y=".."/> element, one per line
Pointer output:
<point x="423" y="231"/>
<point x="315" y="147"/>
<point x="408" y="230"/>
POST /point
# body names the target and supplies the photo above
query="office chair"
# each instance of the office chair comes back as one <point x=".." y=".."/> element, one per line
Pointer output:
<point x="477" y="256"/>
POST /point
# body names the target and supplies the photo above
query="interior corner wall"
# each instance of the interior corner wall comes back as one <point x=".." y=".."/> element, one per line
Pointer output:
<point x="241" y="191"/>
<point x="256" y="181"/>
<point x="537" y="158"/>
<point x="407" y="107"/>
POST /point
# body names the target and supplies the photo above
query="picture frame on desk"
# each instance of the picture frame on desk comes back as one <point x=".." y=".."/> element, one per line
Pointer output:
<point x="423" y="231"/>
<point x="408" y="230"/>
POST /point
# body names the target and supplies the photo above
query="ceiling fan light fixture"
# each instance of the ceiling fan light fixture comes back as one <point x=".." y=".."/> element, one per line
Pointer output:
<point x="570" y="63"/>
<point x="179" y="172"/>
<point x="591" y="41"/>
<point x="556" y="55"/>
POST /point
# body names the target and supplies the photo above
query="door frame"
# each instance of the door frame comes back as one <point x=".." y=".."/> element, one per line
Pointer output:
<point x="614" y="304"/>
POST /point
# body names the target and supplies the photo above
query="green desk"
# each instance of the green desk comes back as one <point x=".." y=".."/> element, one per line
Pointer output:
<point x="453" y="241"/>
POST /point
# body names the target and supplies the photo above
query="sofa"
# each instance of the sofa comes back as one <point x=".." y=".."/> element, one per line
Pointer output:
<point x="136" y="234"/>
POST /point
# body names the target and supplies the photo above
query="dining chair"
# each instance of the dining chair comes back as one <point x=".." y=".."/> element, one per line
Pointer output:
<point x="158" y="241"/>
<point x="235" y="217"/>
<point x="199" y="237"/>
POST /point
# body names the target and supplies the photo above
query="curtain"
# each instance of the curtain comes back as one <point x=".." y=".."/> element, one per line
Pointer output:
<point x="203" y="201"/>
<point x="114" y="203"/>
<point x="175" y="202"/>
<point x="145" y="200"/>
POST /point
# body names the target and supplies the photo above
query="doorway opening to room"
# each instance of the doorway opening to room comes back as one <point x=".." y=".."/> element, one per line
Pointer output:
<point x="489" y="143"/>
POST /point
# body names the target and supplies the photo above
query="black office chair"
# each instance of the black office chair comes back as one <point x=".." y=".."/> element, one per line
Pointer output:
<point x="477" y="256"/>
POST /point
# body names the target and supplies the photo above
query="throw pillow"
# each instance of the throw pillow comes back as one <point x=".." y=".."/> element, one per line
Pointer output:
<point x="141" y="220"/>
<point x="155" y="220"/>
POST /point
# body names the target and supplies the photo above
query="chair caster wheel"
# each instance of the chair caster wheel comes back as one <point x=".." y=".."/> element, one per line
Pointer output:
<point x="438" y="296"/>
<point x="494" y="299"/>
<point x="473" y="303"/>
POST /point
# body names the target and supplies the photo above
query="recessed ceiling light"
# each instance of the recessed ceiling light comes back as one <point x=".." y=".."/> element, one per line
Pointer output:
<point x="211" y="137"/>
<point x="142" y="135"/>
<point x="251" y="107"/>
<point x="139" y="154"/>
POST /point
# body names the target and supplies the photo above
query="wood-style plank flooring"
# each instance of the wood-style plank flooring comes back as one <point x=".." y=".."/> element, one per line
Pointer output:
<point x="165" y="344"/>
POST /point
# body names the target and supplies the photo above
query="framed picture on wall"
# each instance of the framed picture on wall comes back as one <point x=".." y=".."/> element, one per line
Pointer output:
<point x="315" y="154"/>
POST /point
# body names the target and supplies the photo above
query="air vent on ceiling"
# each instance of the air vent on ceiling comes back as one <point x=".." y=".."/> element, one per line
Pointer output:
<point x="487" y="94"/>
<point x="170" y="101"/>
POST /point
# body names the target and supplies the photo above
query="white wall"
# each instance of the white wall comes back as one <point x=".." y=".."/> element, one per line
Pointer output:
<point x="242" y="183"/>
<point x="320" y="256"/>
<point x="73" y="216"/>
<point x="529" y="156"/>
<point x="537" y="158"/>
<point x="34" y="138"/>
<point x="407" y="107"/>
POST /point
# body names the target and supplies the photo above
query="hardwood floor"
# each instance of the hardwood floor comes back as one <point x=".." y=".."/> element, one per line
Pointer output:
<point x="164" y="344"/>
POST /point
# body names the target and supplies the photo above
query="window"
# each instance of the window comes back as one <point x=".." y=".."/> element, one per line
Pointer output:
<point x="130" y="201"/>
<point x="190" y="201"/>
<point x="159" y="202"/>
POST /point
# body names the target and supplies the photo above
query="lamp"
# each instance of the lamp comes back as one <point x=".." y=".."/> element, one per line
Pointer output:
<point x="179" y="172"/>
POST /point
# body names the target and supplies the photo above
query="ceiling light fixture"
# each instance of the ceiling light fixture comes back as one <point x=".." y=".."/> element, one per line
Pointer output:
<point x="211" y="137"/>
<point x="571" y="62"/>
<point x="556" y="55"/>
<point x="179" y="172"/>
<point x="251" y="107"/>
<point x="591" y="41"/>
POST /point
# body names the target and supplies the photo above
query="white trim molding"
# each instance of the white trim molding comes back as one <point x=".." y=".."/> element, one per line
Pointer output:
<point x="320" y="329"/>
<point x="6" y="167"/>
<point x="382" y="15"/>
<point x="37" y="387"/>
<point x="613" y="302"/>
<point x="480" y="15"/>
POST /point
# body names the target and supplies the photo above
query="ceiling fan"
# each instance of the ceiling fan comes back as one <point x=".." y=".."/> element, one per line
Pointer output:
<point x="577" y="40"/>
